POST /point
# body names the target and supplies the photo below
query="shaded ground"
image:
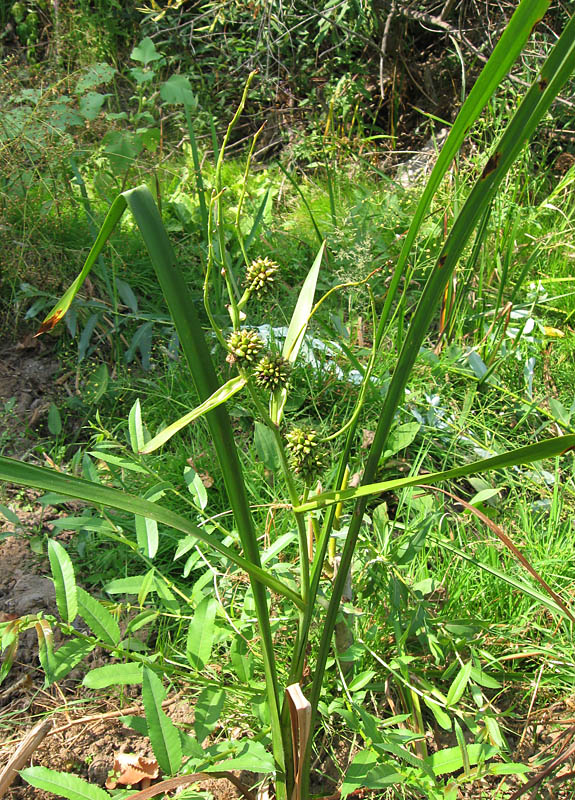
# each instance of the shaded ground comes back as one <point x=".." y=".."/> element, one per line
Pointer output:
<point x="27" y="375"/>
<point x="86" y="735"/>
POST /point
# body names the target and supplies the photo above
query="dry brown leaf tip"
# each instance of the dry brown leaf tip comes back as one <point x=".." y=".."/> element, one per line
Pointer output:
<point x="131" y="769"/>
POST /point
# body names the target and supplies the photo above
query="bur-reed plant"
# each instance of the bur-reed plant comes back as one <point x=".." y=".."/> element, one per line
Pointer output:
<point x="300" y="452"/>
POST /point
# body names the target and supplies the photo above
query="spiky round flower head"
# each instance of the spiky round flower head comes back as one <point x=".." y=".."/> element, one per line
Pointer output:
<point x="306" y="453"/>
<point x="244" y="345"/>
<point x="260" y="275"/>
<point x="272" y="371"/>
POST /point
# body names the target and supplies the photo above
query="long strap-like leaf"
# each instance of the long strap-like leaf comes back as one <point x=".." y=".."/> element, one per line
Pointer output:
<point x="204" y="376"/>
<point x="553" y="75"/>
<point x="50" y="480"/>
<point x="526" y="16"/>
<point x="523" y="455"/>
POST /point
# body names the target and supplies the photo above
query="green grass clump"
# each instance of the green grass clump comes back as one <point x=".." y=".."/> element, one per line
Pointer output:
<point x="328" y="447"/>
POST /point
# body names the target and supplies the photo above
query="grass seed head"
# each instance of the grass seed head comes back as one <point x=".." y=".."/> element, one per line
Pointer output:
<point x="272" y="372"/>
<point x="307" y="457"/>
<point x="260" y="275"/>
<point x="244" y="345"/>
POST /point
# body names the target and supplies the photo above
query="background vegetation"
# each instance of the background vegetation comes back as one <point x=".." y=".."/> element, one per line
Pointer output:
<point x="97" y="97"/>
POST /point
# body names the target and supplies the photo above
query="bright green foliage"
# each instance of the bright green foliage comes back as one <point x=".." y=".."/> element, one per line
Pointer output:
<point x="64" y="581"/>
<point x="456" y="693"/>
<point x="163" y="733"/>
<point x="63" y="784"/>
<point x="100" y="621"/>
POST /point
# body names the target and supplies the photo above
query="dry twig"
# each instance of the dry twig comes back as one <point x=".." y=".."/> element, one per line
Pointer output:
<point x="27" y="746"/>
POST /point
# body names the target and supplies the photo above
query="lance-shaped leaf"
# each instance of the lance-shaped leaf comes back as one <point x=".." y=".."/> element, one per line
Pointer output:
<point x="220" y="396"/>
<point x="51" y="481"/>
<point x="63" y="784"/>
<point x="296" y="331"/>
<point x="113" y="675"/>
<point x="302" y="310"/>
<point x="147" y="536"/>
<point x="64" y="581"/>
<point x="522" y="455"/>
<point x="68" y="656"/>
<point x="459" y="684"/>
<point x="112" y="218"/>
<point x="201" y="633"/>
<point x="163" y="733"/>
<point x="98" y="618"/>
<point x="136" y="428"/>
<point x="46" y="648"/>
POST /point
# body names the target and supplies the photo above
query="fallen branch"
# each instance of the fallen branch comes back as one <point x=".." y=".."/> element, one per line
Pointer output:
<point x="124" y="712"/>
<point x="183" y="780"/>
<point x="27" y="746"/>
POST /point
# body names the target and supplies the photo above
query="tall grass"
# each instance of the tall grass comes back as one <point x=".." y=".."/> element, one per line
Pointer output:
<point x="300" y="454"/>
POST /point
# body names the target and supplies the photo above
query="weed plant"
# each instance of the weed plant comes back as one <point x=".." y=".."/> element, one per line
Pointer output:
<point x="299" y="593"/>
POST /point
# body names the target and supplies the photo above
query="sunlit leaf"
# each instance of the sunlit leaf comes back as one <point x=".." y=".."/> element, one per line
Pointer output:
<point x="64" y="581"/>
<point x="98" y="618"/>
<point x="163" y="733"/>
<point x="220" y="396"/>
<point x="113" y="675"/>
<point x="63" y="784"/>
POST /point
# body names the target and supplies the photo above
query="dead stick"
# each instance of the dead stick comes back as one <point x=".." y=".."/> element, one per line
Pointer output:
<point x="538" y="778"/>
<point x="182" y="780"/>
<point x="22" y="753"/>
<point x="124" y="712"/>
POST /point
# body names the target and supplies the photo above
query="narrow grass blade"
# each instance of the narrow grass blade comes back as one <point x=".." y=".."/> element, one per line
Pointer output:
<point x="507" y="50"/>
<point x="64" y="581"/>
<point x="200" y="189"/>
<point x="522" y="587"/>
<point x="296" y="331"/>
<point x="257" y="221"/>
<point x="298" y="189"/>
<point x="49" y="480"/>
<point x="502" y="536"/>
<point x="522" y="455"/>
<point x="112" y="218"/>
<point x="163" y="733"/>
<point x="220" y="396"/>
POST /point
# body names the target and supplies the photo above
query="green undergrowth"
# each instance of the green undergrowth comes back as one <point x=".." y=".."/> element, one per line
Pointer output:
<point x="435" y="588"/>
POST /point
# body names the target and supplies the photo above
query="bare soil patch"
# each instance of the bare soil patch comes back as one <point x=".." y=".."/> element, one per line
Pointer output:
<point x="27" y="373"/>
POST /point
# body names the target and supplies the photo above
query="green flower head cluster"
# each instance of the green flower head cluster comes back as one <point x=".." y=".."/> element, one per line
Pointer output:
<point x="260" y="275"/>
<point x="272" y="372"/>
<point x="306" y="455"/>
<point x="244" y="346"/>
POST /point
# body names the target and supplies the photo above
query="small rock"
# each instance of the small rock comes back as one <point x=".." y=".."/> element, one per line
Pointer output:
<point x="33" y="594"/>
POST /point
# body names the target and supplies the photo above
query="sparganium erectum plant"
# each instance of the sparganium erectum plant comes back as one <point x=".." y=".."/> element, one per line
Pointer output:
<point x="299" y="452"/>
